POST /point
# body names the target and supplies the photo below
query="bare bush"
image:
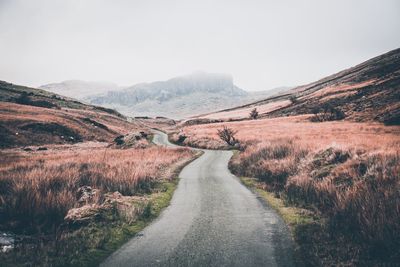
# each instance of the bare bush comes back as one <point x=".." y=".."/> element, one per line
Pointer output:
<point x="228" y="135"/>
<point x="254" y="114"/>
<point x="327" y="112"/>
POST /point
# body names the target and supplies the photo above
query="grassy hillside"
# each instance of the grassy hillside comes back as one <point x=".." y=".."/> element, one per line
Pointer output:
<point x="30" y="116"/>
<point x="369" y="91"/>
<point x="76" y="180"/>
<point x="328" y="153"/>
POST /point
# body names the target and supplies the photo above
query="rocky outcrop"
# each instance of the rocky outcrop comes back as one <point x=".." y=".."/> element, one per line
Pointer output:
<point x="128" y="208"/>
<point x="178" y="97"/>
<point x="134" y="139"/>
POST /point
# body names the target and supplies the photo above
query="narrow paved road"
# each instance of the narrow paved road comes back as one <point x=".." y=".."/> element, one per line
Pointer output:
<point x="213" y="220"/>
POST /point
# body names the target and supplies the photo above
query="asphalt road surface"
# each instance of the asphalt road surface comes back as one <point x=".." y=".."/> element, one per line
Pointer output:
<point x="213" y="220"/>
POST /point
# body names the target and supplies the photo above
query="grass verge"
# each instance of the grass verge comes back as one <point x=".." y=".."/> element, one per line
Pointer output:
<point x="305" y="226"/>
<point x="90" y="244"/>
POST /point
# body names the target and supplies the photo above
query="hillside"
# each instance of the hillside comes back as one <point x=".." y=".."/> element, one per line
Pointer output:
<point x="30" y="116"/>
<point x="366" y="92"/>
<point x="178" y="97"/>
<point x="79" y="89"/>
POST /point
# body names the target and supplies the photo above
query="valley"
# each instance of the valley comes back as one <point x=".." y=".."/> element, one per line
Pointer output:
<point x="320" y="163"/>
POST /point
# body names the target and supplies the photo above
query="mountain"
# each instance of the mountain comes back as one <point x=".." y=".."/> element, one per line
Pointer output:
<point x="366" y="92"/>
<point x="79" y="89"/>
<point x="30" y="116"/>
<point x="178" y="97"/>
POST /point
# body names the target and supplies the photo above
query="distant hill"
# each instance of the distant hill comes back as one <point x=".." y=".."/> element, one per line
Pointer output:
<point x="30" y="116"/>
<point x="368" y="91"/>
<point x="79" y="89"/>
<point x="178" y="97"/>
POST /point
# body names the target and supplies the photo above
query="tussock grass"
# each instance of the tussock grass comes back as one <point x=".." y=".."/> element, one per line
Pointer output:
<point x="347" y="173"/>
<point x="37" y="190"/>
<point x="356" y="192"/>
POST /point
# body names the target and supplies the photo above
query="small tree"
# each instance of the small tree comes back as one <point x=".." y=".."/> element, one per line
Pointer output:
<point x="228" y="135"/>
<point x="254" y="114"/>
<point x="293" y="99"/>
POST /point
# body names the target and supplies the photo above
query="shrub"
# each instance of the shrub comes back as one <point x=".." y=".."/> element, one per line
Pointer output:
<point x="181" y="138"/>
<point x="254" y="114"/>
<point x="327" y="112"/>
<point x="23" y="99"/>
<point x="228" y="135"/>
<point x="293" y="99"/>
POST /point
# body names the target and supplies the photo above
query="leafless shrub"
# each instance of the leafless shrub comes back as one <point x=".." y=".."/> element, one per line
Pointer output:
<point x="228" y="135"/>
<point x="254" y="114"/>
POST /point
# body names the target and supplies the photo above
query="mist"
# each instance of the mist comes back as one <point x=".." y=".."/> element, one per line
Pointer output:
<point x="262" y="44"/>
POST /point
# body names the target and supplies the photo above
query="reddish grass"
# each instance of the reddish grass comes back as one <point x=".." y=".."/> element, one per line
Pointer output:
<point x="313" y="136"/>
<point x="37" y="189"/>
<point x="358" y="192"/>
<point x="13" y="118"/>
<point x="348" y="172"/>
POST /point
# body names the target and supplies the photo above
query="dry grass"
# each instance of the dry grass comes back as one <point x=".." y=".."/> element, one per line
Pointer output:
<point x="347" y="172"/>
<point x="358" y="192"/>
<point x="271" y="162"/>
<point x="85" y="125"/>
<point x="313" y="136"/>
<point x="37" y="189"/>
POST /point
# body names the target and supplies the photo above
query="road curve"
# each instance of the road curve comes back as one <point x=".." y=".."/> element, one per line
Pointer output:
<point x="213" y="220"/>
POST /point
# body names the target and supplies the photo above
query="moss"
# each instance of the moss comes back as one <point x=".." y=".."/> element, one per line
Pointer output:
<point x="292" y="216"/>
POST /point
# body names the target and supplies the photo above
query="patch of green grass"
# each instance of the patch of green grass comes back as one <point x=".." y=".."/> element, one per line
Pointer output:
<point x="305" y="226"/>
<point x="293" y="216"/>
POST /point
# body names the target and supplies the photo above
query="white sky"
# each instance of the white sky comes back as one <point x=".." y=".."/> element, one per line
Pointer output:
<point x="263" y="44"/>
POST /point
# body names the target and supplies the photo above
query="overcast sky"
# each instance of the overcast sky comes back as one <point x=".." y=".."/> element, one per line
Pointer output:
<point x="263" y="44"/>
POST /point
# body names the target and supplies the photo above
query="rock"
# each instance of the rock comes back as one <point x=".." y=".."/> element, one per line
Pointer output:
<point x="83" y="215"/>
<point x="128" y="208"/>
<point x="134" y="139"/>
<point x="6" y="242"/>
<point x="42" y="148"/>
<point x="87" y="194"/>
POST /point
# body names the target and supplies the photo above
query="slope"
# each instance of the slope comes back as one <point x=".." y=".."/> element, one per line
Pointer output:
<point x="366" y="92"/>
<point x="30" y="116"/>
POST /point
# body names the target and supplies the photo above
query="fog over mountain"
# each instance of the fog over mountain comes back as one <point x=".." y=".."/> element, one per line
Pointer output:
<point x="79" y="89"/>
<point x="178" y="97"/>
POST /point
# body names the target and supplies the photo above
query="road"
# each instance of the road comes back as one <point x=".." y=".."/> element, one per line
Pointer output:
<point x="213" y="220"/>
